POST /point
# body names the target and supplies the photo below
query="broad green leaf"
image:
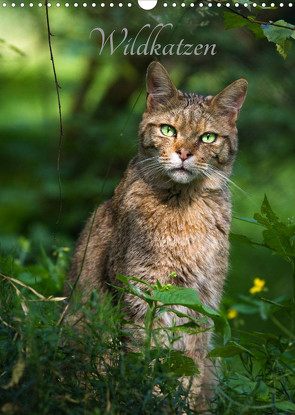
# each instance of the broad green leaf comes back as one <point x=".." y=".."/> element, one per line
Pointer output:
<point x="278" y="34"/>
<point x="179" y="296"/>
<point x="268" y="212"/>
<point x="242" y="384"/>
<point x="180" y="365"/>
<point x="278" y="236"/>
<point x="256" y="30"/>
<point x="186" y="297"/>
<point x="233" y="20"/>
<point x="284" y="48"/>
<point x="280" y="243"/>
<point x="286" y="406"/>
<point x="231" y="349"/>
<point x="189" y="298"/>
<point x="262" y="391"/>
<point x="273" y="240"/>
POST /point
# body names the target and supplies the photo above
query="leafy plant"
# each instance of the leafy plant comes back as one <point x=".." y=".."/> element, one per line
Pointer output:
<point x="279" y="32"/>
<point x="264" y="373"/>
<point x="47" y="368"/>
<point x="47" y="275"/>
<point x="159" y="299"/>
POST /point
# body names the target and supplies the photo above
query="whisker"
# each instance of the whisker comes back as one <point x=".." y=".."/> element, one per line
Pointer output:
<point x="151" y="167"/>
<point x="146" y="160"/>
<point x="227" y="179"/>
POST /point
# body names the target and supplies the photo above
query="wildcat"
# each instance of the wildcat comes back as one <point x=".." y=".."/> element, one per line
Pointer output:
<point x="171" y="211"/>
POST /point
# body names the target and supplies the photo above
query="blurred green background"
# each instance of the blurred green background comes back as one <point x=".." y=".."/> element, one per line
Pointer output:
<point x="103" y="98"/>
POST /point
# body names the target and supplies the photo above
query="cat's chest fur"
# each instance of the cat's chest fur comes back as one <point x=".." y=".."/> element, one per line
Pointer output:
<point x="181" y="233"/>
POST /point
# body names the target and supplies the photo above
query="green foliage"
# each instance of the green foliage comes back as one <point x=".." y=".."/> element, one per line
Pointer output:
<point x="281" y="36"/>
<point x="277" y="236"/>
<point x="159" y="297"/>
<point x="232" y="21"/>
<point x="279" y="32"/>
<point x="47" y="274"/>
<point x="50" y="369"/>
<point x="85" y="367"/>
<point x="265" y="374"/>
<point x="47" y="370"/>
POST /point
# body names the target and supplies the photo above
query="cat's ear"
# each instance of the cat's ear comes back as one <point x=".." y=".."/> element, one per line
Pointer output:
<point x="229" y="101"/>
<point x="160" y="89"/>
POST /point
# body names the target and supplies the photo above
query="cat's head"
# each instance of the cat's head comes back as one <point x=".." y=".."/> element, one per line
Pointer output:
<point x="185" y="136"/>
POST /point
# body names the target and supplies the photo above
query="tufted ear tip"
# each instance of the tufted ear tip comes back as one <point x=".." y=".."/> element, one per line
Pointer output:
<point x="153" y="66"/>
<point x="159" y="85"/>
<point x="230" y="100"/>
<point x="156" y="69"/>
<point x="242" y="83"/>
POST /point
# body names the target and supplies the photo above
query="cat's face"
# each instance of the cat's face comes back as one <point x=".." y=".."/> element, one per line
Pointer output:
<point x="185" y="137"/>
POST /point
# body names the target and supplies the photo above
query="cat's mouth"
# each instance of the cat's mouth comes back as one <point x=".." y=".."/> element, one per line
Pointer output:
<point x="182" y="169"/>
<point x="181" y="175"/>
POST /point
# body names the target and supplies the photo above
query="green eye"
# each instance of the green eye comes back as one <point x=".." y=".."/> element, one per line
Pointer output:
<point x="168" y="130"/>
<point x="208" y="138"/>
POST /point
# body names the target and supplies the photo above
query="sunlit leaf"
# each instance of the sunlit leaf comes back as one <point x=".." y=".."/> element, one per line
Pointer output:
<point x="278" y="34"/>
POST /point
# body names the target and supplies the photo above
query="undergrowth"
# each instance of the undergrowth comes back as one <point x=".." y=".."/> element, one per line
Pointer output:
<point x="83" y="366"/>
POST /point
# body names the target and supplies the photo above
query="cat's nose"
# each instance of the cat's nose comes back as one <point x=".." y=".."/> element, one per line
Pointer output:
<point x="184" y="154"/>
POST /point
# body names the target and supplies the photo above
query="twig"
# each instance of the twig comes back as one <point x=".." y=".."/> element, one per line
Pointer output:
<point x="260" y="22"/>
<point x="60" y="120"/>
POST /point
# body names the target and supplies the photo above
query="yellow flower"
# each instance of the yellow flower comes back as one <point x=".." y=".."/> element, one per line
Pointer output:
<point x="232" y="313"/>
<point x="258" y="286"/>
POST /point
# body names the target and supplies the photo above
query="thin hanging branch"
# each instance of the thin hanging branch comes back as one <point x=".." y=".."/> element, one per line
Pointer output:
<point x="60" y="119"/>
<point x="250" y="19"/>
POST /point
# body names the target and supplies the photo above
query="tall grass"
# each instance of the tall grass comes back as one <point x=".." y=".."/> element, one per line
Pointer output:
<point x="84" y="367"/>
